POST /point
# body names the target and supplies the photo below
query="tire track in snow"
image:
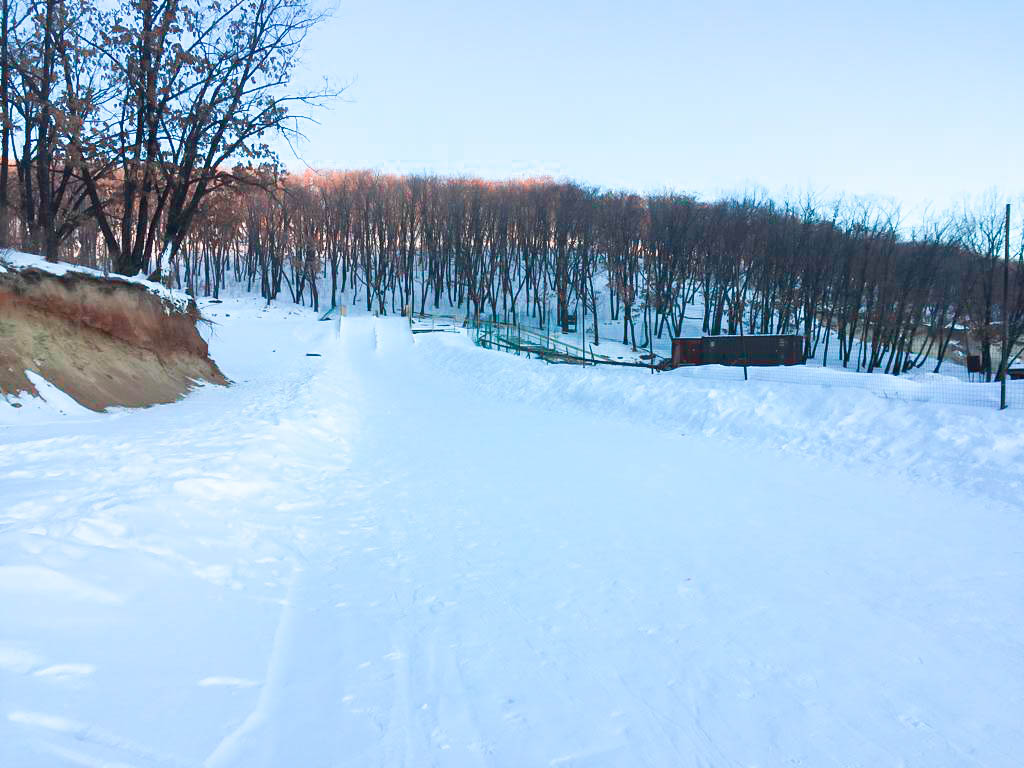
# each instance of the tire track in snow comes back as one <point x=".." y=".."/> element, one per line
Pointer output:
<point x="229" y="750"/>
<point x="235" y="747"/>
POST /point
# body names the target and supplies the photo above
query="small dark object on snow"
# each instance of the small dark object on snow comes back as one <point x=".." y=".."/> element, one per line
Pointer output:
<point x="1015" y="374"/>
<point x="313" y="354"/>
<point x="974" y="363"/>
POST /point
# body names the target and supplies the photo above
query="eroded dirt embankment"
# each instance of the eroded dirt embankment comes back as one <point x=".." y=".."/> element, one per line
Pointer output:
<point x="104" y="342"/>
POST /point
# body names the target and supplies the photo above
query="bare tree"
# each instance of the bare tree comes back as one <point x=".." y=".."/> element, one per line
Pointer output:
<point x="190" y="86"/>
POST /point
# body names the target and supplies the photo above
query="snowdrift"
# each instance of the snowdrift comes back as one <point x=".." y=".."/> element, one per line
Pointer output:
<point x="105" y="341"/>
<point x="790" y="411"/>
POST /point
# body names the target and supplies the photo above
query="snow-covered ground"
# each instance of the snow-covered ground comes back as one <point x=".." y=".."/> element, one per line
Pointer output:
<point x="411" y="551"/>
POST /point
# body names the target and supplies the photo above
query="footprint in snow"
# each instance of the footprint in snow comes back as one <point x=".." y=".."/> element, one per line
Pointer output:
<point x="229" y="682"/>
<point x="64" y="672"/>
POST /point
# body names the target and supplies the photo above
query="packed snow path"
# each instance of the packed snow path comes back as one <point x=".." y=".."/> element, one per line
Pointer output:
<point x="394" y="555"/>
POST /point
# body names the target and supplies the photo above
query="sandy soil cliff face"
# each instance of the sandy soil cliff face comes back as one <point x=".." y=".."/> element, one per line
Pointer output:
<point x="104" y="342"/>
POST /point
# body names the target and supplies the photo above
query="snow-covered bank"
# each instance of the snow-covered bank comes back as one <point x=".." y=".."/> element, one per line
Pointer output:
<point x="412" y="551"/>
<point x="19" y="260"/>
<point x="69" y="333"/>
<point x="963" y="447"/>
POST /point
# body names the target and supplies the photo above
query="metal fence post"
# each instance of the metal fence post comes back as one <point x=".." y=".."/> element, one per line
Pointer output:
<point x="1004" y="364"/>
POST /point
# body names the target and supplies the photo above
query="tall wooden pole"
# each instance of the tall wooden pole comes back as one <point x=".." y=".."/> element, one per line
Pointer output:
<point x="1006" y="311"/>
<point x="650" y="329"/>
<point x="583" y="293"/>
<point x="739" y="304"/>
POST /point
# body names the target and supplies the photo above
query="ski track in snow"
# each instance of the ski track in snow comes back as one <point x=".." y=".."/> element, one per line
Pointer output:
<point x="409" y="551"/>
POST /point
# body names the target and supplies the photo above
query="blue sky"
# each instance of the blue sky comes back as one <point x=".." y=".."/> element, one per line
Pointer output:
<point x="919" y="103"/>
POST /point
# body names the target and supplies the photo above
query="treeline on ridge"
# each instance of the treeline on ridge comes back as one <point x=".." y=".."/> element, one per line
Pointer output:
<point x="540" y="251"/>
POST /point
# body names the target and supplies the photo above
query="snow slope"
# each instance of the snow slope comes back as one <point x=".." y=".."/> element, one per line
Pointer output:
<point x="410" y="551"/>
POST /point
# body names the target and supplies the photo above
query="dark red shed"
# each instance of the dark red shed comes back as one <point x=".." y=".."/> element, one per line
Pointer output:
<point x="685" y="352"/>
<point x="739" y="350"/>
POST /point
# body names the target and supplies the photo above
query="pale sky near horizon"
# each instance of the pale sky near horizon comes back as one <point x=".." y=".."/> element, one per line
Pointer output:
<point x="917" y="103"/>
